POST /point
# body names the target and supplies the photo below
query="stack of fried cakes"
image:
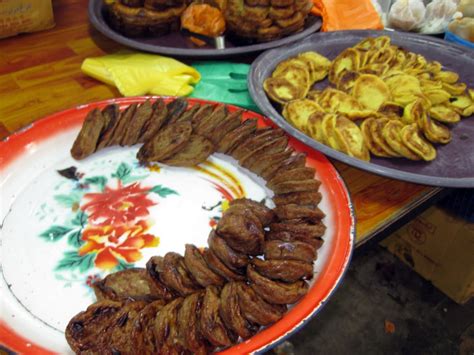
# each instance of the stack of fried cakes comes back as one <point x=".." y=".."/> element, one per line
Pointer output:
<point x="138" y="18"/>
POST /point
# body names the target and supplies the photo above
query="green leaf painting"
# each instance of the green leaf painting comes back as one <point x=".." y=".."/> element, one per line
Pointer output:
<point x="162" y="191"/>
<point x="123" y="171"/>
<point x="122" y="265"/>
<point x="72" y="260"/>
<point x="80" y="219"/>
<point x="69" y="200"/>
<point x="54" y="233"/>
<point x="100" y="181"/>
<point x="74" y="238"/>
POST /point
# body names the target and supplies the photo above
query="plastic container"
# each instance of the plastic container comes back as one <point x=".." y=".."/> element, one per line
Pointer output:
<point x="451" y="37"/>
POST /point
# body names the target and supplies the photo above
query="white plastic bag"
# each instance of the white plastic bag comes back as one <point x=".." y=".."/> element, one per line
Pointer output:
<point x="406" y="15"/>
<point x="438" y="14"/>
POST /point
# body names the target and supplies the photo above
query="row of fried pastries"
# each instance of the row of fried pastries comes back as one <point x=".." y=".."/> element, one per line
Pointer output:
<point x="374" y="81"/>
<point x="206" y="299"/>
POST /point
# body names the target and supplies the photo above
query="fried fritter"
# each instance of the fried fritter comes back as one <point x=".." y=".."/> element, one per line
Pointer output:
<point x="155" y="122"/>
<point x="232" y="259"/>
<point x="111" y="115"/>
<point x="292" y="211"/>
<point x="196" y="151"/>
<point x="283" y="250"/>
<point x="303" y="197"/>
<point x="199" y="269"/>
<point x="312" y="230"/>
<point x="296" y="186"/>
<point x="86" y="141"/>
<point x="263" y="213"/>
<point x="140" y="117"/>
<point x="219" y="267"/>
<point x="284" y="270"/>
<point x="175" y="275"/>
<point x="237" y="136"/>
<point x="142" y="333"/>
<point x="188" y="324"/>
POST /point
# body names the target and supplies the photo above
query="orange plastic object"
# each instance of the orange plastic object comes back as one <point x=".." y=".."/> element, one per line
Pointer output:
<point x="347" y="15"/>
<point x="203" y="19"/>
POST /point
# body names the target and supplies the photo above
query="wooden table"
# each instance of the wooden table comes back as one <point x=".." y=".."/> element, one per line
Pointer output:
<point x="40" y="74"/>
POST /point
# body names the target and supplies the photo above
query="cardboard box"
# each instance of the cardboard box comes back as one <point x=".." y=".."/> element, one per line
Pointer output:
<point x="440" y="247"/>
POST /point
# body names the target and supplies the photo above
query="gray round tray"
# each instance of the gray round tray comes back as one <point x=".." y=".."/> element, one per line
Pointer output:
<point x="454" y="165"/>
<point x="176" y="44"/>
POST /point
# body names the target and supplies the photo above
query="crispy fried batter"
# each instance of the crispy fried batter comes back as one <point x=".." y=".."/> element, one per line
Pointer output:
<point x="86" y="141"/>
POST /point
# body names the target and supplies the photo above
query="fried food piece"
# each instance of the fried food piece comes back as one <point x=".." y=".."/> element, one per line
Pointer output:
<point x="296" y="186"/>
<point x="111" y="114"/>
<point x="228" y="124"/>
<point x="86" y="141"/>
<point x="259" y="139"/>
<point x="435" y="132"/>
<point x="414" y="140"/>
<point x="155" y="122"/>
<point x="267" y="167"/>
<point x="281" y="90"/>
<point x="232" y="259"/>
<point x="284" y="270"/>
<point x="369" y="141"/>
<point x="122" y="124"/>
<point x="347" y="79"/>
<point x="154" y="267"/>
<point x="175" y="109"/>
<point x="188" y="324"/>
<point x="165" y="328"/>
<point x="318" y="65"/>
<point x="312" y="230"/>
<point x="391" y="110"/>
<point x="210" y="322"/>
<point x="291" y="175"/>
<point x="349" y="59"/>
<point x="371" y="91"/>
<point x="241" y="229"/>
<point x="336" y="101"/>
<point x="118" y="335"/>
<point x="303" y="197"/>
<point x="203" y="112"/>
<point x="176" y="276"/>
<point x="87" y="330"/>
<point x="166" y="143"/>
<point x="198" y="268"/>
<point x="349" y="135"/>
<point x="274" y="291"/>
<point x="196" y="151"/>
<point x="376" y="129"/>
<point x="132" y="283"/>
<point x="293" y="211"/>
<point x="140" y="117"/>
<point x="231" y="313"/>
<point x="328" y="127"/>
<point x="316" y="242"/>
<point x="142" y="333"/>
<point x="219" y="267"/>
<point x="203" y="19"/>
<point x="391" y="133"/>
<point x="263" y="213"/>
<point x="444" y="113"/>
<point x="277" y="13"/>
<point x="189" y="113"/>
<point x="237" y="136"/>
<point x="282" y="250"/>
<point x="295" y="71"/>
<point x="207" y="124"/>
<point x="297" y="112"/>
<point x="276" y="145"/>
<point x="255" y="309"/>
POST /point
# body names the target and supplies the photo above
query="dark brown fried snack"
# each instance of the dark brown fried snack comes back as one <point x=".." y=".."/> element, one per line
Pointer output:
<point x="263" y="213"/>
<point x="219" y="267"/>
<point x="188" y="325"/>
<point x="269" y="166"/>
<point x="241" y="229"/>
<point x="291" y="175"/>
<point x="142" y="333"/>
<point x="284" y="270"/>
<point x="257" y="2"/>
<point x="133" y="284"/>
<point x="282" y="250"/>
<point x="86" y="141"/>
<point x="231" y="313"/>
<point x="196" y="151"/>
<point x="155" y="122"/>
<point x="207" y="124"/>
<point x="141" y="116"/>
<point x="230" y="122"/>
<point x="111" y="115"/>
<point x="274" y="146"/>
<point x="198" y="268"/>
<point x="175" y="275"/>
<point x="118" y="335"/>
<point x="132" y="3"/>
<point x="87" y="330"/>
<point x="122" y="124"/>
<point x="282" y="3"/>
<point x="304" y="197"/>
<point x="175" y="109"/>
<point x="232" y="259"/>
<point x="189" y="113"/>
<point x="316" y="242"/>
<point x="296" y="186"/>
<point x="276" y="292"/>
<point x="210" y="322"/>
<point x="154" y="267"/>
<point x="312" y="230"/>
<point x="295" y="161"/>
<point x="166" y="143"/>
<point x="237" y="136"/>
<point x="203" y="112"/>
<point x="259" y="139"/>
<point x="165" y="329"/>
<point x="294" y="211"/>
<point x="255" y="309"/>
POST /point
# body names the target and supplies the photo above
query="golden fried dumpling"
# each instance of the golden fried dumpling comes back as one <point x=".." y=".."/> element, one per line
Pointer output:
<point x="375" y="68"/>
<point x="435" y="132"/>
<point x="314" y="127"/>
<point x="447" y="77"/>
<point x="297" y="112"/>
<point x="414" y="140"/>
<point x="444" y="113"/>
<point x="318" y="65"/>
<point x="366" y="43"/>
<point x="373" y="147"/>
<point x="403" y="88"/>
<point x="399" y="57"/>
<point x="370" y="91"/>
<point x="454" y="89"/>
<point x="437" y="96"/>
<point x="329" y="131"/>
<point x="381" y="42"/>
<point x="471" y="93"/>
<point x="413" y="112"/>
<point x="313" y="95"/>
<point x="428" y="84"/>
<point x="347" y="80"/>
<point x="281" y="90"/>
<point x="295" y="71"/>
<point x="349" y="59"/>
<point x="332" y="100"/>
<point x="391" y="133"/>
<point x="391" y="110"/>
<point x="349" y="135"/>
<point x="382" y="56"/>
<point x="434" y="67"/>
<point x="461" y="103"/>
<point x="376" y="130"/>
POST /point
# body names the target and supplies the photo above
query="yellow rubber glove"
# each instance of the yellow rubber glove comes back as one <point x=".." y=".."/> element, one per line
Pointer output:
<point x="137" y="74"/>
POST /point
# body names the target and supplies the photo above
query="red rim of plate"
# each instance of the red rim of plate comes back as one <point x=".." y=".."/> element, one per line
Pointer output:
<point x="328" y="279"/>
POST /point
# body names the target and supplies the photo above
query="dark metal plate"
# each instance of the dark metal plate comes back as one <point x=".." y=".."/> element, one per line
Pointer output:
<point x="454" y="165"/>
<point x="176" y="44"/>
